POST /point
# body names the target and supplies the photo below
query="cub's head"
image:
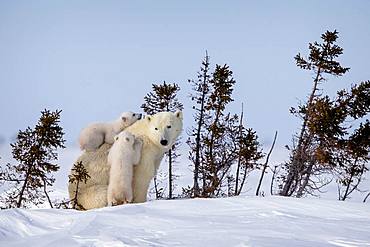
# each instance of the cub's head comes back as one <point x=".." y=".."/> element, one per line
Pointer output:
<point x="125" y="138"/>
<point x="128" y="118"/>
<point x="164" y="128"/>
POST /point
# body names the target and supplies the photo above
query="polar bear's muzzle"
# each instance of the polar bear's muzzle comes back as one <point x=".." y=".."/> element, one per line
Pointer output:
<point x="139" y="116"/>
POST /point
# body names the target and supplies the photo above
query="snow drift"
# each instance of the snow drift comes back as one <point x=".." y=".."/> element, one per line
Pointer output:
<point x="239" y="221"/>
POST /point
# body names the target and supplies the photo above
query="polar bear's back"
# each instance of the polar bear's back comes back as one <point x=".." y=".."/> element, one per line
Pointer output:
<point x="96" y="163"/>
<point x="92" y="194"/>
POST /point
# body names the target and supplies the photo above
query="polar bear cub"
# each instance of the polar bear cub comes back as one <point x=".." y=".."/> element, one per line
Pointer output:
<point x="94" y="135"/>
<point x="123" y="155"/>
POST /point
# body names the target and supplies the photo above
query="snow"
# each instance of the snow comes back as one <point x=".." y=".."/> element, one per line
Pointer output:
<point x="237" y="221"/>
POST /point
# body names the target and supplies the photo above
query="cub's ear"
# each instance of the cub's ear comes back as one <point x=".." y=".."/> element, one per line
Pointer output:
<point x="179" y="114"/>
<point x="124" y="119"/>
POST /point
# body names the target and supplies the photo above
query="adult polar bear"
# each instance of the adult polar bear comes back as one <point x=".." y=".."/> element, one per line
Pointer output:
<point x="158" y="133"/>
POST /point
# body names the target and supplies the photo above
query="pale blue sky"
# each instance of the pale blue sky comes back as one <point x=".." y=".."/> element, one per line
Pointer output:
<point x="94" y="59"/>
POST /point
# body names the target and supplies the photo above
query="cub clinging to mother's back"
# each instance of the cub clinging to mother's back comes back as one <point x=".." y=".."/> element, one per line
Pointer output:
<point x="96" y="134"/>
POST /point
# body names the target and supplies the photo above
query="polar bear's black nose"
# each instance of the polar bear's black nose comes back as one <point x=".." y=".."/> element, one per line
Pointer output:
<point x="140" y="115"/>
<point x="164" y="142"/>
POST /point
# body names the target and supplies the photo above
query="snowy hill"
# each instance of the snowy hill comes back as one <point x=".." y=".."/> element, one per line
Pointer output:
<point x="241" y="221"/>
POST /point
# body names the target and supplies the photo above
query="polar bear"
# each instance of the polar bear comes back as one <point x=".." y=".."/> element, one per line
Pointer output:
<point x="158" y="133"/>
<point x="123" y="155"/>
<point x="94" y="135"/>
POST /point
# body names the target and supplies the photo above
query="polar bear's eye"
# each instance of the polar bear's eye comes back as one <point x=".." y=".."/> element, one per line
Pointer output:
<point x="133" y="115"/>
<point x="156" y="128"/>
<point x="169" y="126"/>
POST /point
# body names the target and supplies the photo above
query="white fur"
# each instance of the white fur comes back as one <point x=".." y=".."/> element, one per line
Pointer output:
<point x="93" y="193"/>
<point x="94" y="135"/>
<point x="123" y="155"/>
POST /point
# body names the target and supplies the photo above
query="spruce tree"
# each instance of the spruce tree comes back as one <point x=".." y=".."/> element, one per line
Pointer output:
<point x="351" y="150"/>
<point x="200" y="96"/>
<point x="218" y="175"/>
<point x="217" y="139"/>
<point x="164" y="98"/>
<point x="78" y="175"/>
<point x="339" y="142"/>
<point x="249" y="152"/>
<point x="321" y="61"/>
<point x="215" y="136"/>
<point x="36" y="151"/>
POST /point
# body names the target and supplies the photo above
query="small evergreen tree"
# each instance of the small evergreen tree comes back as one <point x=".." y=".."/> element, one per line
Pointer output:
<point x="78" y="175"/>
<point x="35" y="150"/>
<point x="351" y="150"/>
<point x="200" y="96"/>
<point x="159" y="187"/>
<point x="217" y="141"/>
<point x="322" y="62"/>
<point x="164" y="98"/>
<point x="336" y="145"/>
<point x="247" y="152"/>
<point x="217" y="131"/>
<point x="248" y="156"/>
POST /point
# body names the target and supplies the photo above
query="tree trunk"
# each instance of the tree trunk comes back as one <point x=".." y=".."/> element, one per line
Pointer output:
<point x="344" y="197"/>
<point x="47" y="195"/>
<point x="204" y="182"/>
<point x="74" y="200"/>
<point x="197" y="139"/>
<point x="265" y="165"/>
<point x="20" y="198"/>
<point x="237" y="177"/>
<point x="156" y="188"/>
<point x="296" y="161"/>
<point x="348" y="190"/>
<point x="367" y="196"/>
<point x="305" y="181"/>
<point x="272" y="180"/>
<point x="239" y="154"/>
<point x="243" y="181"/>
<point x="213" y="169"/>
<point x="219" y="181"/>
<point x="170" y="174"/>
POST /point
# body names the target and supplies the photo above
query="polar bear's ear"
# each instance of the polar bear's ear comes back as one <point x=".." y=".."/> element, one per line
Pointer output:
<point x="124" y="119"/>
<point x="179" y="114"/>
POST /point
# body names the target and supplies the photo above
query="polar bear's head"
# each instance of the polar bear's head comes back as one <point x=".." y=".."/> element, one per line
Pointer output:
<point x="164" y="128"/>
<point x="125" y="138"/>
<point x="128" y="118"/>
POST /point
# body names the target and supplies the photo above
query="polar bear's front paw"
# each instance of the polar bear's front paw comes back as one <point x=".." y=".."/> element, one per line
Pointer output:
<point x="127" y="198"/>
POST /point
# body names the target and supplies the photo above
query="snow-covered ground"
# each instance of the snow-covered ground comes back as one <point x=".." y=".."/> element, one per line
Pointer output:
<point x="238" y="221"/>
